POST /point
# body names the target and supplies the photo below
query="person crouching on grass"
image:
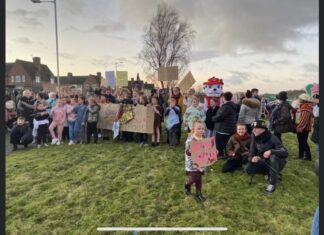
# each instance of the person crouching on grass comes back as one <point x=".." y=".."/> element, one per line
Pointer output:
<point x="237" y="149"/>
<point x="194" y="174"/>
<point x="267" y="154"/>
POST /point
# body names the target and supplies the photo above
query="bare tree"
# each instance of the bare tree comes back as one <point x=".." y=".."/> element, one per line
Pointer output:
<point x="167" y="41"/>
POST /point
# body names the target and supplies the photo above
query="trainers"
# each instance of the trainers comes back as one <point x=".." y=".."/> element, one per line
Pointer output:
<point x="46" y="145"/>
<point x="58" y="143"/>
<point x="38" y="146"/>
<point x="270" y="188"/>
<point x="187" y="189"/>
<point x="34" y="141"/>
<point x="200" y="197"/>
<point x="145" y="145"/>
<point x="54" y="141"/>
<point x="71" y="142"/>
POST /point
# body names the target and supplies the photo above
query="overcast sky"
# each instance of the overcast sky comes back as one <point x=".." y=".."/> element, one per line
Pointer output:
<point x="272" y="45"/>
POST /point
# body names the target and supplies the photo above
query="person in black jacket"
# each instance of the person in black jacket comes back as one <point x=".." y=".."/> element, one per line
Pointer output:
<point x="212" y="110"/>
<point x="21" y="133"/>
<point x="225" y="124"/>
<point x="41" y="120"/>
<point x="267" y="154"/>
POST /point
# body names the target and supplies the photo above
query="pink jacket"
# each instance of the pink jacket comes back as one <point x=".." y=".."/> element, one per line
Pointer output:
<point x="59" y="114"/>
<point x="71" y="116"/>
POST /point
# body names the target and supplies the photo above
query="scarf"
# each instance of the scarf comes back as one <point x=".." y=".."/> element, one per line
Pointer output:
<point x="242" y="138"/>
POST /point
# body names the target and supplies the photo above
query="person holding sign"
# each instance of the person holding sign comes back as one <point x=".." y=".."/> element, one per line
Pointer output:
<point x="193" y="172"/>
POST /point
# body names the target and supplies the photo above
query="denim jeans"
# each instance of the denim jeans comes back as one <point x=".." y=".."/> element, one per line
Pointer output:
<point x="71" y="131"/>
<point x="315" y="225"/>
<point x="79" y="131"/>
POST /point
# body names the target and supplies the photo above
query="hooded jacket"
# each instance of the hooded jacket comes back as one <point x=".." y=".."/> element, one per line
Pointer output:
<point x="249" y="110"/>
<point x="225" y="118"/>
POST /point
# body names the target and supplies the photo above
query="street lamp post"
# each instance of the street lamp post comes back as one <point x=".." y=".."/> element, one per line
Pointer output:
<point x="56" y="37"/>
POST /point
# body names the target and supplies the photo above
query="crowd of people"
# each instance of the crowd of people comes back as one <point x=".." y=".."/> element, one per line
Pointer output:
<point x="245" y="136"/>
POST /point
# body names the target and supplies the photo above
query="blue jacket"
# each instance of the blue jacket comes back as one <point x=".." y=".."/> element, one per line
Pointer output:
<point x="80" y="111"/>
<point x="173" y="116"/>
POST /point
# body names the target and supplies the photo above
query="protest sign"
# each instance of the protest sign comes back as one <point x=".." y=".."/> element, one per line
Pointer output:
<point x="142" y="121"/>
<point x="203" y="152"/>
<point x="110" y="78"/>
<point x="186" y="82"/>
<point x="122" y="79"/>
<point x="168" y="73"/>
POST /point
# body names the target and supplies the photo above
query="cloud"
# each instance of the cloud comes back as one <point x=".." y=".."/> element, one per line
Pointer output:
<point x="260" y="26"/>
<point x="23" y="40"/>
<point x="238" y="77"/>
<point x="108" y="28"/>
<point x="310" y="68"/>
<point x="67" y="56"/>
<point x="102" y="62"/>
<point x="28" y="18"/>
<point x="198" y="55"/>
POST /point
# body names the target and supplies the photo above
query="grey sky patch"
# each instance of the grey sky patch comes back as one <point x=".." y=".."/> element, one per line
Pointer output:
<point x="108" y="28"/>
<point x="67" y="56"/>
<point x="238" y="77"/>
<point x="311" y="68"/>
<point x="259" y="25"/>
<point x="204" y="54"/>
<point x="23" y="40"/>
<point x="28" y="18"/>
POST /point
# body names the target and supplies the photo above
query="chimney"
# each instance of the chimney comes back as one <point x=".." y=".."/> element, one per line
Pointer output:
<point x="98" y="74"/>
<point x="37" y="63"/>
<point x="69" y="74"/>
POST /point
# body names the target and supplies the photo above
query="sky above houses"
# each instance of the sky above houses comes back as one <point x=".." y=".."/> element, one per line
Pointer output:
<point x="271" y="45"/>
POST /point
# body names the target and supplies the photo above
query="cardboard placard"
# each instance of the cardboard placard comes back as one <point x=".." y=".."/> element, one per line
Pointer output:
<point x="141" y="123"/>
<point x="122" y="79"/>
<point x="110" y="78"/>
<point x="168" y="73"/>
<point x="186" y="83"/>
<point x="203" y="152"/>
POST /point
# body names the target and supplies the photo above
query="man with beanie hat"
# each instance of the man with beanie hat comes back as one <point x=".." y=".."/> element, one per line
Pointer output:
<point x="267" y="154"/>
<point x="281" y="119"/>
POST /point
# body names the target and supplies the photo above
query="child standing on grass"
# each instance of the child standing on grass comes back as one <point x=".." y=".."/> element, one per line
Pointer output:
<point x="157" y="121"/>
<point x="71" y="118"/>
<point x="193" y="113"/>
<point x="194" y="174"/>
<point x="91" y="118"/>
<point x="79" y="129"/>
<point x="59" y="117"/>
<point x="41" y="120"/>
<point x="173" y="123"/>
<point x="143" y="136"/>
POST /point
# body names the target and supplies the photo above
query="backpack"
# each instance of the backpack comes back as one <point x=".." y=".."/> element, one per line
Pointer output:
<point x="283" y="122"/>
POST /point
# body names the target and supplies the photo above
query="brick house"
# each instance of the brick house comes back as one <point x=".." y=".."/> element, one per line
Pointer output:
<point x="29" y="75"/>
<point x="80" y="84"/>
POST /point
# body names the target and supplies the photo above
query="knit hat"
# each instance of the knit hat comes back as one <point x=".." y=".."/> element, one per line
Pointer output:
<point x="282" y="95"/>
<point x="260" y="123"/>
<point x="315" y="88"/>
<point x="304" y="97"/>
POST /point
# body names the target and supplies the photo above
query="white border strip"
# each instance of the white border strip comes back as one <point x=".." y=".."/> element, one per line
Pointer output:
<point x="162" y="229"/>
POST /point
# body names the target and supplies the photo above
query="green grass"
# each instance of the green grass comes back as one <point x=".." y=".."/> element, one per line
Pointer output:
<point x="75" y="189"/>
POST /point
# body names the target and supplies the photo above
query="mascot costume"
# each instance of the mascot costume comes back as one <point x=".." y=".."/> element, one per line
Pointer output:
<point x="213" y="88"/>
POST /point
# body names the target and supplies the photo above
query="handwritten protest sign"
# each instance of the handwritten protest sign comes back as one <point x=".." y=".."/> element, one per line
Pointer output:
<point x="141" y="123"/>
<point x="203" y="152"/>
<point x="122" y="79"/>
<point x="110" y="78"/>
<point x="186" y="82"/>
<point x="168" y="73"/>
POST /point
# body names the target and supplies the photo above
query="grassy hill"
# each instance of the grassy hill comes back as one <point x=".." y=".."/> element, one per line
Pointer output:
<point x="75" y="189"/>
